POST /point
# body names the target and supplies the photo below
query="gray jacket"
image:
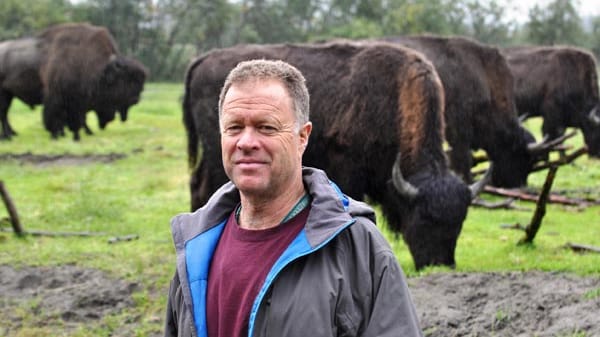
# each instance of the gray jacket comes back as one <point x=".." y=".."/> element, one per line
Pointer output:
<point x="339" y="277"/>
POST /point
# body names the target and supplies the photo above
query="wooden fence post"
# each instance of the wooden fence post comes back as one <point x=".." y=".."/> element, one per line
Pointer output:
<point x="12" y="211"/>
<point x="540" y="210"/>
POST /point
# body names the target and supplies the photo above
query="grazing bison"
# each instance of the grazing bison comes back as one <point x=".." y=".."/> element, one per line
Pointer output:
<point x="480" y="108"/>
<point x="70" y="69"/>
<point x="19" y="77"/>
<point x="377" y="114"/>
<point x="560" y="84"/>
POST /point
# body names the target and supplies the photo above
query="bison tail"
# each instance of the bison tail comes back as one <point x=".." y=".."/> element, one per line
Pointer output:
<point x="422" y="123"/>
<point x="193" y="142"/>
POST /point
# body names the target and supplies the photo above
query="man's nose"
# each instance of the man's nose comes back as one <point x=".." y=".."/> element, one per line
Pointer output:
<point x="248" y="139"/>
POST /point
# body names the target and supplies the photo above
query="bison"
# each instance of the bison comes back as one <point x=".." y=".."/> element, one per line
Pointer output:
<point x="480" y="110"/>
<point x="377" y="113"/>
<point x="19" y="77"/>
<point x="560" y="84"/>
<point x="70" y="69"/>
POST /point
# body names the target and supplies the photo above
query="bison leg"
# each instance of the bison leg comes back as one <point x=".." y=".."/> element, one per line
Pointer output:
<point x="6" y="131"/>
<point x="205" y="180"/>
<point x="86" y="128"/>
<point x="461" y="162"/>
<point x="75" y="130"/>
<point x="10" y="129"/>
<point x="553" y="125"/>
<point x="53" y="118"/>
<point x="74" y="122"/>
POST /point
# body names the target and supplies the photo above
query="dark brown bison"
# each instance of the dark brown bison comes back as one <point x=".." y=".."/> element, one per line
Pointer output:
<point x="19" y="77"/>
<point x="560" y="84"/>
<point x="70" y="69"/>
<point x="480" y="107"/>
<point x="377" y="114"/>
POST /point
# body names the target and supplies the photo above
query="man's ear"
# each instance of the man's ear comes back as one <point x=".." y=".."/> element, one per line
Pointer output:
<point x="305" y="131"/>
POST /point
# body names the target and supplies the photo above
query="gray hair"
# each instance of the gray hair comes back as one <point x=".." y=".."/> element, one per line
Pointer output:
<point x="292" y="79"/>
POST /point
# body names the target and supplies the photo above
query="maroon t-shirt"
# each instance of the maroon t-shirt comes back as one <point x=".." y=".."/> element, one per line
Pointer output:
<point x="242" y="260"/>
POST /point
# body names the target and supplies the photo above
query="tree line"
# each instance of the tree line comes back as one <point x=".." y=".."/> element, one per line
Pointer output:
<point x="166" y="34"/>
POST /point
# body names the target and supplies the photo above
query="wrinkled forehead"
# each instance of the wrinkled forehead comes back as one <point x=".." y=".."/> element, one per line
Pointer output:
<point x="257" y="83"/>
<point x="266" y="91"/>
<point x="257" y="99"/>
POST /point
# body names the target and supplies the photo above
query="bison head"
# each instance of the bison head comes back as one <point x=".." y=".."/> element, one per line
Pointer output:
<point x="428" y="209"/>
<point x="591" y="131"/>
<point x="121" y="85"/>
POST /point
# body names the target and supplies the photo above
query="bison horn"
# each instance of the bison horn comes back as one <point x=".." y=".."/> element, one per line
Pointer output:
<point x="593" y="116"/>
<point x="538" y="147"/>
<point x="523" y="117"/>
<point x="547" y="145"/>
<point x="402" y="186"/>
<point x="478" y="186"/>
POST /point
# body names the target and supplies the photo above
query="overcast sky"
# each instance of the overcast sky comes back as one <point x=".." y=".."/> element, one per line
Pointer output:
<point x="521" y="7"/>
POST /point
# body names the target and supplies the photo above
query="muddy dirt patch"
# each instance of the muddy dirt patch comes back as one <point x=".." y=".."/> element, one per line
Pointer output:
<point x="449" y="304"/>
<point x="66" y="159"/>
<point x="508" y="304"/>
<point x="66" y="297"/>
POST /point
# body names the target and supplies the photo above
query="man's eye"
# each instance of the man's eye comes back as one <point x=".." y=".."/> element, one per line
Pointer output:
<point x="267" y="129"/>
<point x="233" y="129"/>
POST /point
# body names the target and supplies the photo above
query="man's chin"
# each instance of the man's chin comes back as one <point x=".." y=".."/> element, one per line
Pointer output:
<point x="251" y="185"/>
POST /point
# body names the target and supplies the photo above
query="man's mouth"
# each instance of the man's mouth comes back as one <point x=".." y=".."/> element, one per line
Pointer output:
<point x="246" y="163"/>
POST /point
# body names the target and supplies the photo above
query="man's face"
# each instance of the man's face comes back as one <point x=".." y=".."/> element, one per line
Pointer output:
<point x="261" y="144"/>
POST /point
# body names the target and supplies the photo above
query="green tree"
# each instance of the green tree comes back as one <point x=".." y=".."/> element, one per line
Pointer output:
<point x="349" y="19"/>
<point x="122" y="18"/>
<point x="359" y="28"/>
<point x="486" y="22"/>
<point x="19" y="18"/>
<point x="270" y="21"/>
<point x="181" y="29"/>
<point x="557" y="23"/>
<point x="442" y="17"/>
<point x="204" y="24"/>
<point x="594" y="36"/>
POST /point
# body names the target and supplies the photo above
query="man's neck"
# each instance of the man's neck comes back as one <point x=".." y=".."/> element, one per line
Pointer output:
<point x="263" y="213"/>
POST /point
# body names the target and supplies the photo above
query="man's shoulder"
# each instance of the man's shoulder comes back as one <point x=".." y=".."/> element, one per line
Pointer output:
<point x="215" y="211"/>
<point x="365" y="236"/>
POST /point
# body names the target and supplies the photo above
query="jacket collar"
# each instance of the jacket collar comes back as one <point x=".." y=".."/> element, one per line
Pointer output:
<point x="330" y="210"/>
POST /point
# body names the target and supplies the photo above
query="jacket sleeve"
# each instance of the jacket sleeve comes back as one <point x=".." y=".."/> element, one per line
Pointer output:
<point x="392" y="310"/>
<point x="171" y="314"/>
<point x="179" y="321"/>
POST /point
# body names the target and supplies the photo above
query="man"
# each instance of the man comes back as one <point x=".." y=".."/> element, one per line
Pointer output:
<point x="279" y="250"/>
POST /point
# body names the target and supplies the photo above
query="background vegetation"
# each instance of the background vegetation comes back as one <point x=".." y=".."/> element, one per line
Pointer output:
<point x="141" y="192"/>
<point x="166" y="34"/>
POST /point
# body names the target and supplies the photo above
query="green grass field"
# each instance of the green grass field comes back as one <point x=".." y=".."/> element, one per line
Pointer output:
<point x="141" y="192"/>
